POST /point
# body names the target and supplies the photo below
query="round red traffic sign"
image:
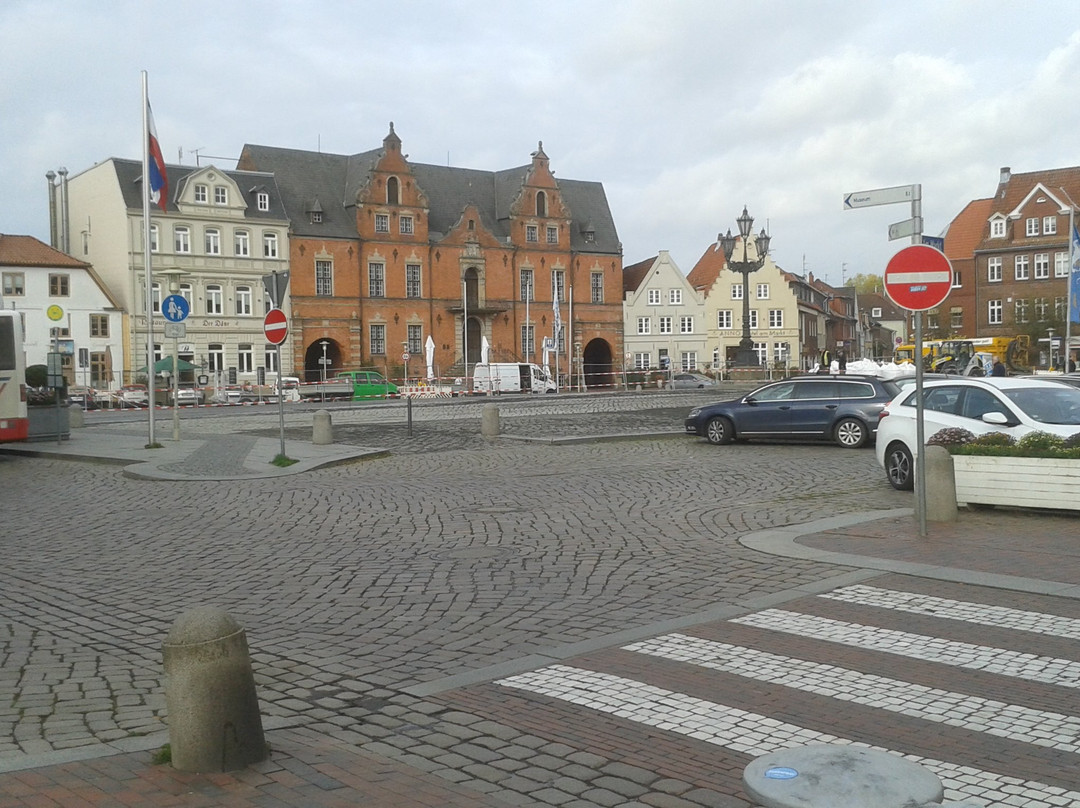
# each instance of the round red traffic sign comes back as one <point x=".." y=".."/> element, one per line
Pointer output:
<point x="275" y="326"/>
<point x="918" y="278"/>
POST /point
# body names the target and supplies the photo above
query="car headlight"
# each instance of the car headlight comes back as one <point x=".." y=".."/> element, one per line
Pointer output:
<point x="694" y="413"/>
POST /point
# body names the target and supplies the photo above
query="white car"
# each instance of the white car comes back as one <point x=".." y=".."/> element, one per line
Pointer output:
<point x="979" y="405"/>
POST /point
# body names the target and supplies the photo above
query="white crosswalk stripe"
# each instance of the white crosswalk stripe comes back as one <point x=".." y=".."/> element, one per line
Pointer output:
<point x="754" y="734"/>
<point x="1017" y="723"/>
<point x="980" y="613"/>
<point x="1048" y="670"/>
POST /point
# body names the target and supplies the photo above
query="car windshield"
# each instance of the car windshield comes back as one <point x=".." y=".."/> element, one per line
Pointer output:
<point x="1056" y="405"/>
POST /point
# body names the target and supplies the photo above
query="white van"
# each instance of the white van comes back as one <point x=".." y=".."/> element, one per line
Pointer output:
<point x="511" y="377"/>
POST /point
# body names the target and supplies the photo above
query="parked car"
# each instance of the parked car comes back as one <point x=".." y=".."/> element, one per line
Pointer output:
<point x="691" y="381"/>
<point x="133" y="395"/>
<point x="839" y="408"/>
<point x="1008" y="404"/>
<point x="1072" y="379"/>
<point x="82" y="396"/>
<point x="189" y="394"/>
<point x="906" y="382"/>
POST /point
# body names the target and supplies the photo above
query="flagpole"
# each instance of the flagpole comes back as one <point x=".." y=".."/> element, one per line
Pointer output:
<point x="570" y="337"/>
<point x="1069" y="300"/>
<point x="146" y="259"/>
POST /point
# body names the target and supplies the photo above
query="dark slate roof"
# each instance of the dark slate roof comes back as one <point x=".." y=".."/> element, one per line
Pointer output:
<point x="129" y="175"/>
<point x="335" y="179"/>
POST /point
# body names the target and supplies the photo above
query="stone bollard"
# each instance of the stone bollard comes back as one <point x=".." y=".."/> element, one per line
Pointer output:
<point x="214" y="721"/>
<point x="76" y="417"/>
<point x="489" y="421"/>
<point x="940" y="485"/>
<point x="322" y="432"/>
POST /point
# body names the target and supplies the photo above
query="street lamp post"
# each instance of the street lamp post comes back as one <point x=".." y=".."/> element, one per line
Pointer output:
<point x="745" y="356"/>
<point x="322" y="363"/>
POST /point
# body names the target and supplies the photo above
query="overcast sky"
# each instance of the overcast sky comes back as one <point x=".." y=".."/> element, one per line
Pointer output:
<point x="685" y="110"/>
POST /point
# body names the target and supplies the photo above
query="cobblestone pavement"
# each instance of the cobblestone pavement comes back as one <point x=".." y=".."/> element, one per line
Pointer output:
<point x="454" y="609"/>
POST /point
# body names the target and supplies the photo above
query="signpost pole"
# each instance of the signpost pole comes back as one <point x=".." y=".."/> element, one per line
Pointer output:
<point x="176" y="389"/>
<point x="280" y="399"/>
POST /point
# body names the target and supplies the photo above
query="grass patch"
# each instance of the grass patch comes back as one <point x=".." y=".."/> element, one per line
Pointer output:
<point x="162" y="756"/>
<point x="154" y="445"/>
<point x="281" y="461"/>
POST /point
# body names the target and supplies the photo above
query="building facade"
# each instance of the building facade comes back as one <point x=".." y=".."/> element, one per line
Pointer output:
<point x="386" y="253"/>
<point x="220" y="233"/>
<point x="65" y="308"/>
<point x="664" y="317"/>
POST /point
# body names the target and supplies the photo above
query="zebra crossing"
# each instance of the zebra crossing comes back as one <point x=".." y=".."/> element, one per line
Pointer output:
<point x="995" y="716"/>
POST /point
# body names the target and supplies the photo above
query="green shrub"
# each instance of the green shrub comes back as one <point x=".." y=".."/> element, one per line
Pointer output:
<point x="994" y="439"/>
<point x="950" y="436"/>
<point x="998" y="444"/>
<point x="1040" y="444"/>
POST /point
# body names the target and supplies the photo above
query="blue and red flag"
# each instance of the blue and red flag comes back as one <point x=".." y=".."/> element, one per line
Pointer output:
<point x="159" y="180"/>
<point x="1074" y="277"/>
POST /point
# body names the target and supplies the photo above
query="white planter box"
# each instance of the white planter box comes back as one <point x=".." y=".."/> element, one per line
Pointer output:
<point x="1028" y="482"/>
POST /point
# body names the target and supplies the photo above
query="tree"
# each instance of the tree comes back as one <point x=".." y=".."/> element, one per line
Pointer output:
<point x="864" y="283"/>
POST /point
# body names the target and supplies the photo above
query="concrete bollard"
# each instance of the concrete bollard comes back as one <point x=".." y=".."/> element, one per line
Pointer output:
<point x="489" y="421"/>
<point x="214" y="721"/>
<point x="76" y="417"/>
<point x="940" y="485"/>
<point x="322" y="431"/>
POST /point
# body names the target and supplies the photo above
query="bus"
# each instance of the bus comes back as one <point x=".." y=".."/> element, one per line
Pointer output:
<point x="14" y="423"/>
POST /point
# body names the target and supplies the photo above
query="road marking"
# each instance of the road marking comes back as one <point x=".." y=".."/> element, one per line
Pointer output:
<point x="754" y="734"/>
<point x="1035" y="668"/>
<point x="980" y="613"/>
<point x="1017" y="723"/>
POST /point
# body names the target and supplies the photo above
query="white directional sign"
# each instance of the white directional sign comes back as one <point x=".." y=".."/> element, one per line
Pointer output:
<point x="908" y="227"/>
<point x="880" y="196"/>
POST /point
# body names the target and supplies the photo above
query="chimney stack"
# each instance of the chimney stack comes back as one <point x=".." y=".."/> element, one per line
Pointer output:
<point x="1006" y="175"/>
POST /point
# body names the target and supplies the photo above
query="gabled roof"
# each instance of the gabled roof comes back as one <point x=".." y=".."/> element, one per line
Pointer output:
<point x="967" y="229"/>
<point x="1014" y="189"/>
<point x="27" y="251"/>
<point x="876" y="300"/>
<point x="129" y="175"/>
<point x="336" y="179"/>
<point x="707" y="269"/>
<point x="634" y="274"/>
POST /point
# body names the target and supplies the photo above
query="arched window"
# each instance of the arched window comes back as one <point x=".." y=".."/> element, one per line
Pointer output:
<point x="541" y="203"/>
<point x="392" y="191"/>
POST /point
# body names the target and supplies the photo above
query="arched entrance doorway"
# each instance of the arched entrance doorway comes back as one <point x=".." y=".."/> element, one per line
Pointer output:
<point x="472" y="340"/>
<point x="599" y="369"/>
<point x="313" y="356"/>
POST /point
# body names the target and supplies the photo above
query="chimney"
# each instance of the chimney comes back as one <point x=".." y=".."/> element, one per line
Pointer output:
<point x="1006" y="175"/>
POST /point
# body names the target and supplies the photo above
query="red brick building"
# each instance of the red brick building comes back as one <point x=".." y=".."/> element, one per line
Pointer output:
<point x="385" y="253"/>
<point x="1010" y="256"/>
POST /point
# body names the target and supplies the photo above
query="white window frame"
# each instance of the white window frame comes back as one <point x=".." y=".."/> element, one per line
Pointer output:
<point x="644" y="325"/>
<point x="414" y="336"/>
<point x="686" y="324"/>
<point x="270" y="353"/>
<point x="377" y="339"/>
<point x="215" y="297"/>
<point x="270" y="245"/>
<point x="215" y="356"/>
<point x="724" y="319"/>
<point x="776" y="318"/>
<point x="596" y="287"/>
<point x="221" y="195"/>
<point x="753" y="318"/>
<point x="1042" y="266"/>
<point x="993" y="269"/>
<point x="1020" y="311"/>
<point x="674" y="297"/>
<point x="413" y="280"/>
<point x="654" y="297"/>
<point x="1061" y="265"/>
<point x="201" y="194"/>
<point x="1032" y="227"/>
<point x="552" y="234"/>
<point x="382" y="222"/>
<point x="324" y="277"/>
<point x="376" y="279"/>
<point x="405" y="225"/>
<point x="1049" y="225"/>
<point x="244" y="301"/>
<point x="155" y="245"/>
<point x="245" y="358"/>
<point x="736" y="291"/>
<point x="527" y="282"/>
<point x="994" y="312"/>
<point x="1021" y="268"/>
<point x="532" y="233"/>
<point x="242" y="243"/>
<point x="664" y="324"/>
<point x="182" y="239"/>
<point x="642" y="360"/>
<point x="688" y="360"/>
<point x="262" y="201"/>
<point x="997" y="228"/>
<point x="212" y="241"/>
<point x="763" y="291"/>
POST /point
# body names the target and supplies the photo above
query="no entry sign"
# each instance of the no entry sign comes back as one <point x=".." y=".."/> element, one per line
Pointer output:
<point x="918" y="278"/>
<point x="275" y="326"/>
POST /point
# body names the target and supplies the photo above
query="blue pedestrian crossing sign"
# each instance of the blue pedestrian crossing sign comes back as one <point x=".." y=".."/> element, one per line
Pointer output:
<point x="175" y="308"/>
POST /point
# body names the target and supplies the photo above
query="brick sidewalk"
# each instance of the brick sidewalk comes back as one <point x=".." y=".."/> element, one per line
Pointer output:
<point x="304" y="769"/>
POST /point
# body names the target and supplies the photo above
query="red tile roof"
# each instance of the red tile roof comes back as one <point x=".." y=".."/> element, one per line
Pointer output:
<point x="27" y="251"/>
<point x="707" y="269"/>
<point x="967" y="229"/>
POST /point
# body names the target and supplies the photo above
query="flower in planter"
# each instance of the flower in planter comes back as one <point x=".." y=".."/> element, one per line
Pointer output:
<point x="994" y="439"/>
<point x="1040" y="444"/>
<point x="951" y="436"/>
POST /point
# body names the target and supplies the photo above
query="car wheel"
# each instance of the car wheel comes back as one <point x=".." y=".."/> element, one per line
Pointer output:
<point x="899" y="467"/>
<point x="851" y="433"/>
<point x="719" y="431"/>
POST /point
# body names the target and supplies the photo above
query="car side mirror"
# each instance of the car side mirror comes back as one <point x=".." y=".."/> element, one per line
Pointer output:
<point x="750" y="400"/>
<point x="996" y="418"/>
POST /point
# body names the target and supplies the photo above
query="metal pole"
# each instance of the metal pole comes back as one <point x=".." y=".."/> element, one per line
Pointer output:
<point x="465" y="334"/>
<point x="920" y="427"/>
<point x="176" y="389"/>
<point x="280" y="400"/>
<point x="146" y="256"/>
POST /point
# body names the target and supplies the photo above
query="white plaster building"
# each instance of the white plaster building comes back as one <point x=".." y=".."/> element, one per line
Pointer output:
<point x="65" y="306"/>
<point x="664" y="317"/>
<point x="224" y="230"/>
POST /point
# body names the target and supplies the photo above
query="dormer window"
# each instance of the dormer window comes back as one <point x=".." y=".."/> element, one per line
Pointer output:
<point x="1032" y="228"/>
<point x="997" y="228"/>
<point x="221" y="195"/>
<point x="541" y="203"/>
<point x="392" y="193"/>
<point x="316" y="217"/>
<point x="200" y="194"/>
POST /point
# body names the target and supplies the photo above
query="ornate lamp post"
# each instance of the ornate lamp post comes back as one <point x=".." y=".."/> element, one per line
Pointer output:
<point x="745" y="356"/>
